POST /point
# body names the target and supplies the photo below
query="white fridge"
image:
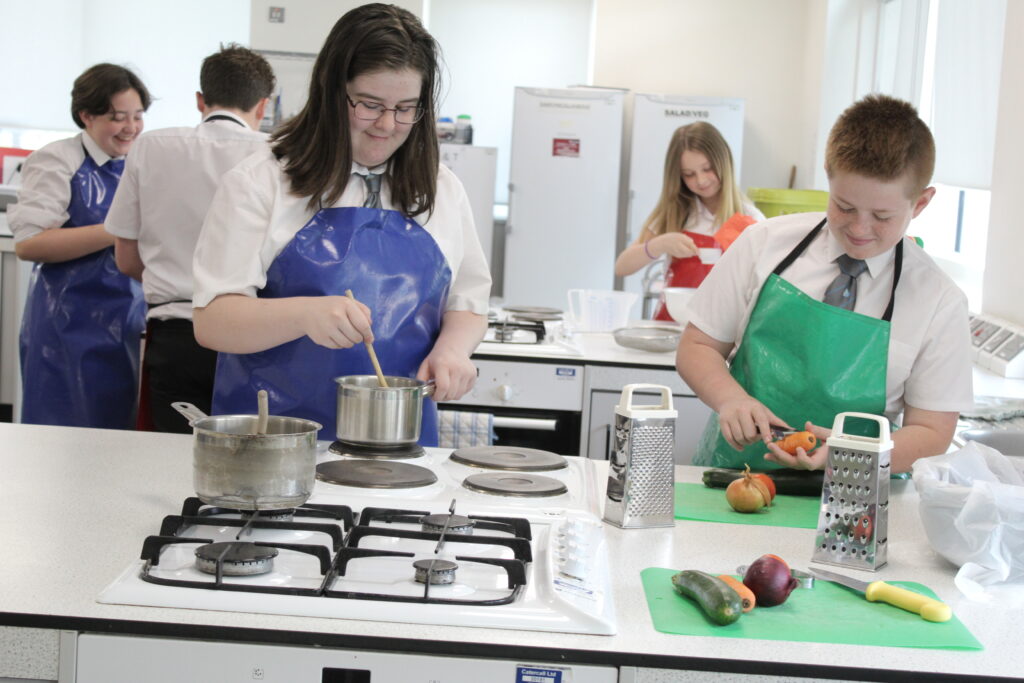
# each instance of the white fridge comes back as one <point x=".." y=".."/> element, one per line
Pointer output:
<point x="564" y="185"/>
<point x="476" y="167"/>
<point x="655" y="118"/>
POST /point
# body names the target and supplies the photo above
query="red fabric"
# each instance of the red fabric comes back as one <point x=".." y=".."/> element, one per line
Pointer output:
<point x="687" y="272"/>
<point x="732" y="228"/>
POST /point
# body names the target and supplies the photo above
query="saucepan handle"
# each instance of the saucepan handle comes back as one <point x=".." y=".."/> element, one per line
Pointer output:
<point x="429" y="388"/>
<point x="189" y="411"/>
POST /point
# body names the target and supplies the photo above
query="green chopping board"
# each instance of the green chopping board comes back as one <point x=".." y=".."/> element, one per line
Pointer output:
<point x="827" y="613"/>
<point x="699" y="503"/>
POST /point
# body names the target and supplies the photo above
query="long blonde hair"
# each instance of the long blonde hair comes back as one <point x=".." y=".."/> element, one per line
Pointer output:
<point x="677" y="203"/>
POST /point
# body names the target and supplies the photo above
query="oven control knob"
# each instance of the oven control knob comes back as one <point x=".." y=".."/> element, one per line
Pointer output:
<point x="574" y="565"/>
<point x="504" y="392"/>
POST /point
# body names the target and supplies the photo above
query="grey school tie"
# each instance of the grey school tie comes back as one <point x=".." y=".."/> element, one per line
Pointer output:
<point x="372" y="190"/>
<point x="842" y="291"/>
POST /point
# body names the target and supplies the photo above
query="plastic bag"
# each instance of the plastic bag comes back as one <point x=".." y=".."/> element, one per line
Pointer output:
<point x="972" y="508"/>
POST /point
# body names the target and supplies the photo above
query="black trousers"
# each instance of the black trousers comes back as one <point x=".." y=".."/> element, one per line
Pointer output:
<point x="178" y="369"/>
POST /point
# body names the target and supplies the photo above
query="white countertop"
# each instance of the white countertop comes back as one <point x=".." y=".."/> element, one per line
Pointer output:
<point x="55" y="480"/>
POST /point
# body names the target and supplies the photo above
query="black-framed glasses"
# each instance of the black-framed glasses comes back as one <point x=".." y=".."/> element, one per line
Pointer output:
<point x="371" y="111"/>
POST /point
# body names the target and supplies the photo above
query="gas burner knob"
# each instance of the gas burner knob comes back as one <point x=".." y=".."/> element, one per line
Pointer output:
<point x="504" y="392"/>
<point x="574" y="565"/>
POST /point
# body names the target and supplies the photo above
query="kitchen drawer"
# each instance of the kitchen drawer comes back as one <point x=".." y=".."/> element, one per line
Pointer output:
<point x="515" y="384"/>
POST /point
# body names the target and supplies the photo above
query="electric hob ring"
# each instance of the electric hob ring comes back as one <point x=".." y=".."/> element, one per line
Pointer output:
<point x="374" y="474"/>
<point x="509" y="458"/>
<point x="517" y="484"/>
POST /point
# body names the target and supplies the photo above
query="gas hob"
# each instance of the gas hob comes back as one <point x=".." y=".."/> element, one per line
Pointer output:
<point x="521" y="549"/>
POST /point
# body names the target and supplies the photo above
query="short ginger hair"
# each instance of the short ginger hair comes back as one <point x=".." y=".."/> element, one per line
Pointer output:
<point x="882" y="137"/>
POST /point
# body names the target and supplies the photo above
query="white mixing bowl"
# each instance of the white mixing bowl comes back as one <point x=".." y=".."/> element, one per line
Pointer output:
<point x="676" y="301"/>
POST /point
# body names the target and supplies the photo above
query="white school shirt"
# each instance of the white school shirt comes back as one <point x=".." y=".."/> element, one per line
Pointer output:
<point x="169" y="180"/>
<point x="929" y="363"/>
<point x="254" y="216"/>
<point x="45" y="192"/>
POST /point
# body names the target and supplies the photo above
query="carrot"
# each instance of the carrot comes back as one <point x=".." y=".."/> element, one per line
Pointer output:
<point x="804" y="440"/>
<point x="746" y="595"/>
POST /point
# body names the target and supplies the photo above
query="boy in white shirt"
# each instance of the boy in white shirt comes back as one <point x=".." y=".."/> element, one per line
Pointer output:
<point x="893" y="338"/>
<point x="158" y="211"/>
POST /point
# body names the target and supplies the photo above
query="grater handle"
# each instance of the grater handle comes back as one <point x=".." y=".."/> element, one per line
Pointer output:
<point x="626" y="400"/>
<point x="883" y="425"/>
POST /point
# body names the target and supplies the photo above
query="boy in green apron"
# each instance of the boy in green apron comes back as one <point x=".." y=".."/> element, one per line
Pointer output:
<point x="819" y="314"/>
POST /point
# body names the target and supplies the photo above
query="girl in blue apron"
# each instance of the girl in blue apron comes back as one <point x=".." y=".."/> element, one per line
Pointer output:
<point x="700" y="212"/>
<point x="290" y="232"/>
<point x="803" y="359"/>
<point x="82" y="324"/>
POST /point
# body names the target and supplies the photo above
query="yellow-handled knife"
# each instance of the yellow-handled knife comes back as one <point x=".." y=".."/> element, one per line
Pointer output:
<point x="880" y="591"/>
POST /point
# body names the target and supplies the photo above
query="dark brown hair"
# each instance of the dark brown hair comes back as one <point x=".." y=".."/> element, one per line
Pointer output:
<point x="882" y="137"/>
<point x="316" y="143"/>
<point x="98" y="84"/>
<point x="236" y="77"/>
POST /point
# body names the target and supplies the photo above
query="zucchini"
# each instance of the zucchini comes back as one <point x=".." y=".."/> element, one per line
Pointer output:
<point x="718" y="601"/>
<point x="787" y="482"/>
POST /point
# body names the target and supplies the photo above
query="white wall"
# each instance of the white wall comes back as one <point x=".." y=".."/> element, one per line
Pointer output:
<point x="768" y="53"/>
<point x="52" y="41"/>
<point x="306" y="22"/>
<point x="36" y="81"/>
<point x="492" y="47"/>
<point x="1004" y="277"/>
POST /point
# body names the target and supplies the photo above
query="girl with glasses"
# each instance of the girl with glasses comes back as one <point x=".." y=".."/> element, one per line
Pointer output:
<point x="82" y="327"/>
<point x="349" y="196"/>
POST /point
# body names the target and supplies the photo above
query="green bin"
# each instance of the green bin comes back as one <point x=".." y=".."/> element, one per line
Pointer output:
<point x="776" y="202"/>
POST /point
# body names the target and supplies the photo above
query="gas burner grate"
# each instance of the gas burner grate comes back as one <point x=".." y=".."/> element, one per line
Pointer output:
<point x="514" y="526"/>
<point x="515" y="571"/>
<point x="335" y="556"/>
<point x="194" y="507"/>
<point x="173" y="525"/>
<point x="505" y="331"/>
<point x="154" y="545"/>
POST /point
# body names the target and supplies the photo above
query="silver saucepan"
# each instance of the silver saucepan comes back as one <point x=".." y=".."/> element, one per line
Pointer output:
<point x="380" y="416"/>
<point x="234" y="467"/>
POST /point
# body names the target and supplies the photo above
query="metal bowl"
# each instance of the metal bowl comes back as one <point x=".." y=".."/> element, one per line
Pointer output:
<point x="657" y="339"/>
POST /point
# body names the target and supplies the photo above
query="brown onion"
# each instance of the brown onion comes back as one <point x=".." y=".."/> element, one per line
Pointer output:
<point x="748" y="493"/>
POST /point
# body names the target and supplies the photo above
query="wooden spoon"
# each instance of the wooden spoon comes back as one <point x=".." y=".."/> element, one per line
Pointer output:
<point x="261" y="420"/>
<point x="369" y="347"/>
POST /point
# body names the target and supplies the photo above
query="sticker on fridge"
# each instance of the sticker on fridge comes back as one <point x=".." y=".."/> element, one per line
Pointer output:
<point x="565" y="147"/>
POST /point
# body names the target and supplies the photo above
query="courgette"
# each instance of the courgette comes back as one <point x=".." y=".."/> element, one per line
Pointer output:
<point x="787" y="482"/>
<point x="718" y="601"/>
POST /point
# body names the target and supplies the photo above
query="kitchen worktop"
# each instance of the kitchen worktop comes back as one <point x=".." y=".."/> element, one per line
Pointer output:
<point x="581" y="347"/>
<point x="78" y="503"/>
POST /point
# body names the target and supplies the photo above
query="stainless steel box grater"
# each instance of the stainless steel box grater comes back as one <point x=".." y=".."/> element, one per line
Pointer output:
<point x="853" y="524"/>
<point x="641" y="472"/>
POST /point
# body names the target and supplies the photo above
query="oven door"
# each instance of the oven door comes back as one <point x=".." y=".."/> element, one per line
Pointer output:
<point x="557" y="431"/>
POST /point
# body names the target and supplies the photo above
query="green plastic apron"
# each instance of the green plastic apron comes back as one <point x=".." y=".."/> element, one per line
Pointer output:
<point x="805" y="360"/>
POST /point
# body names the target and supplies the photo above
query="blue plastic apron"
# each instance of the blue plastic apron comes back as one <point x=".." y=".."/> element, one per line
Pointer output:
<point x="82" y="325"/>
<point x="805" y="360"/>
<point x="392" y="265"/>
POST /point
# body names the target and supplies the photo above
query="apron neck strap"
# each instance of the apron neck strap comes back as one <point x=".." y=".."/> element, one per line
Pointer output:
<point x="799" y="249"/>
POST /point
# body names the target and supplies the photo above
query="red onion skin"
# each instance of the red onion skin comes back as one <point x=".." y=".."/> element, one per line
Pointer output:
<point x="770" y="581"/>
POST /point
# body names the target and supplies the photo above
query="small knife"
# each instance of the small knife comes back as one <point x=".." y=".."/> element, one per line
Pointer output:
<point x="880" y="591"/>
